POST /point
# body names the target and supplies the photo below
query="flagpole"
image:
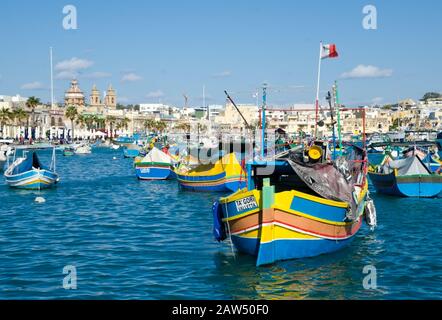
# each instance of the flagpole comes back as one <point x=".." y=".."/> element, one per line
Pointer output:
<point x="52" y="79"/>
<point x="317" y="89"/>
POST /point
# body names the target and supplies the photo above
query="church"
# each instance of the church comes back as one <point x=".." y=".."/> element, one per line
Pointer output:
<point x="75" y="96"/>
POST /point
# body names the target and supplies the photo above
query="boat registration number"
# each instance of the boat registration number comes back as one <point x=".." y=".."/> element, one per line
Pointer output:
<point x="248" y="203"/>
<point x="145" y="170"/>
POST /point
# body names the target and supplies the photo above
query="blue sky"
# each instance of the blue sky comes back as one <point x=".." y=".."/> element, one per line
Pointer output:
<point x="158" y="50"/>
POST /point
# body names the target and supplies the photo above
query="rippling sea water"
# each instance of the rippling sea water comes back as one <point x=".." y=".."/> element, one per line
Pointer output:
<point x="131" y="239"/>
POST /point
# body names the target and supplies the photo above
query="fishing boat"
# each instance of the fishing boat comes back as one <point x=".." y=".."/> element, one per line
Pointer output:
<point x="82" y="148"/>
<point x="27" y="172"/>
<point x="428" y="153"/>
<point x="407" y="177"/>
<point x="68" y="151"/>
<point x="156" y="165"/>
<point x="131" y="151"/>
<point x="299" y="206"/>
<point x="225" y="175"/>
<point x="303" y="203"/>
<point x="5" y="151"/>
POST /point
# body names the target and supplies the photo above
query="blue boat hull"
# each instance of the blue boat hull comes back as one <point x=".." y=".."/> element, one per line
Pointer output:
<point x="154" y="173"/>
<point x="218" y="183"/>
<point x="421" y="186"/>
<point x="32" y="180"/>
<point x="131" y="153"/>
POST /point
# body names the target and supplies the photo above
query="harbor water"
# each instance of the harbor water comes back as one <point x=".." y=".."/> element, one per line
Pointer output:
<point x="130" y="239"/>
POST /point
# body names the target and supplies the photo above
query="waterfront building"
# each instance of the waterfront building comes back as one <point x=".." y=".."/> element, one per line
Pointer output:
<point x="74" y="96"/>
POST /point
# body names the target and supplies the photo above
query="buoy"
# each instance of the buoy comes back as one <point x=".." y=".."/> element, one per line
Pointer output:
<point x="40" y="200"/>
<point x="114" y="158"/>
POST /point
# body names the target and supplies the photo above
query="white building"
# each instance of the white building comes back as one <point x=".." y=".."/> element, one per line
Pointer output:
<point x="152" y="108"/>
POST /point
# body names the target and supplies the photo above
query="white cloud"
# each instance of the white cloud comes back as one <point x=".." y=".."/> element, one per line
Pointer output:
<point x="155" y="94"/>
<point x="367" y="71"/>
<point x="33" y="86"/>
<point x="73" y="64"/>
<point x="97" y="75"/>
<point x="69" y="69"/>
<point x="66" y="75"/>
<point x="222" y="74"/>
<point x="131" y="77"/>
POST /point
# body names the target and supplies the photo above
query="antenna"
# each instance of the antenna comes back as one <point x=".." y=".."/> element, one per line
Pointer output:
<point x="204" y="96"/>
<point x="186" y="99"/>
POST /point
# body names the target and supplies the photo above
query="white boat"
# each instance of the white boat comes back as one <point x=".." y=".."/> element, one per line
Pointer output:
<point x="3" y="157"/>
<point x="83" y="149"/>
<point x="28" y="172"/>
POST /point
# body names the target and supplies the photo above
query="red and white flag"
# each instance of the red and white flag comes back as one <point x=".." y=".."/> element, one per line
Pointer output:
<point x="329" y="51"/>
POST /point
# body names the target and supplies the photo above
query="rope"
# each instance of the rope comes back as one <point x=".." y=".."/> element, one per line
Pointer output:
<point x="230" y="235"/>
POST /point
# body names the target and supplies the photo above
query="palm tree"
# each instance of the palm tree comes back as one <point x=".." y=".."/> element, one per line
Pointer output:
<point x="184" y="127"/>
<point x="32" y="103"/>
<point x="81" y="120"/>
<point x="111" y="120"/>
<point x="160" y="126"/>
<point x="89" y="121"/>
<point x="149" y="124"/>
<point x="72" y="114"/>
<point x="5" y="117"/>
<point x="124" y="123"/>
<point x="20" y="116"/>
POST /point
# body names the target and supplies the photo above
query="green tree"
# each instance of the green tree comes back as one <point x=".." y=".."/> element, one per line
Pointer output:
<point x="123" y="123"/>
<point x="149" y="124"/>
<point x="431" y="95"/>
<point x="72" y="114"/>
<point x="160" y="126"/>
<point x="111" y="120"/>
<point x="19" y="115"/>
<point x="81" y="120"/>
<point x="183" y="127"/>
<point x="32" y="103"/>
<point x="5" y="117"/>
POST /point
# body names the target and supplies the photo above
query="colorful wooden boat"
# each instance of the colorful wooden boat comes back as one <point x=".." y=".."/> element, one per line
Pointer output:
<point x="156" y="165"/>
<point x="28" y="173"/>
<point x="408" y="177"/>
<point x="292" y="209"/>
<point x="69" y="151"/>
<point x="131" y="151"/>
<point x="225" y="175"/>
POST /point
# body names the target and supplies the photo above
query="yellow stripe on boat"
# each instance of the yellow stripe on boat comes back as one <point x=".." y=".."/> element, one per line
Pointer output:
<point x="228" y="164"/>
<point x="34" y="181"/>
<point x="274" y="232"/>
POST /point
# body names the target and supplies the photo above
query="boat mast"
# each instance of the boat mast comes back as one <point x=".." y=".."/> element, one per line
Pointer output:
<point x="338" y="114"/>
<point x="329" y="99"/>
<point x="317" y="90"/>
<point x="263" y="120"/>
